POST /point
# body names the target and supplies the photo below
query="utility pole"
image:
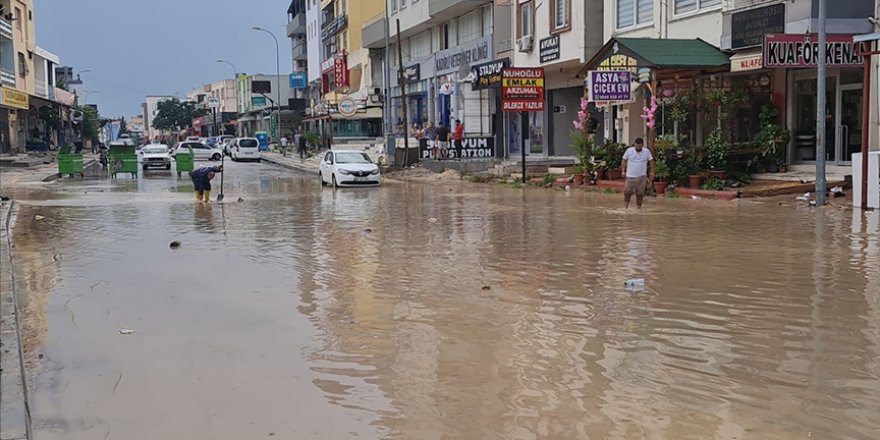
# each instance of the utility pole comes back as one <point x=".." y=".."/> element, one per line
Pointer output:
<point x="386" y="95"/>
<point x="820" y="109"/>
<point x="402" y="84"/>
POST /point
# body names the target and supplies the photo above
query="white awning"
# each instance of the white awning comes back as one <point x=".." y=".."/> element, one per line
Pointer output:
<point x="752" y="59"/>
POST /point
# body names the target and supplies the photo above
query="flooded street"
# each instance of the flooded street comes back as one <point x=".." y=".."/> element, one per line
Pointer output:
<point x="449" y="311"/>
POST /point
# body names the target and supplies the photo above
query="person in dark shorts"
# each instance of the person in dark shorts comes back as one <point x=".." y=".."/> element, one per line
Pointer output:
<point x="638" y="168"/>
<point x="443" y="140"/>
<point x="202" y="182"/>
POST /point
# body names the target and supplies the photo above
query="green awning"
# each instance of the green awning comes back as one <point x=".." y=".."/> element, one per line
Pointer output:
<point x="655" y="53"/>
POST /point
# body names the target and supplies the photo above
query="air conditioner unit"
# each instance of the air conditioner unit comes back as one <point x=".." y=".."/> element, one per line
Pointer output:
<point x="525" y="44"/>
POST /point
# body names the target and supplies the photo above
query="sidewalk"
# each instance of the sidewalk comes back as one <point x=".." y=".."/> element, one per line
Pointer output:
<point x="14" y="411"/>
<point x="293" y="162"/>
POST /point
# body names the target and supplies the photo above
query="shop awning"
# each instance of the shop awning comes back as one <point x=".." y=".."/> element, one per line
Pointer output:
<point x="635" y="53"/>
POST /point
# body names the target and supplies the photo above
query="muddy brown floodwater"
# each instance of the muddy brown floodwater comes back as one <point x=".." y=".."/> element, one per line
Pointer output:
<point x="305" y="312"/>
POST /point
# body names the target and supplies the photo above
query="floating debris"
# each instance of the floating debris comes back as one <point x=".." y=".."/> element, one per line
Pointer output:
<point x="240" y="200"/>
<point x="696" y="197"/>
<point x="803" y="198"/>
<point x="432" y="220"/>
<point x="368" y="230"/>
<point x="487" y="287"/>
<point x="38" y="217"/>
<point x="126" y="331"/>
<point x="174" y="244"/>
<point x="568" y="187"/>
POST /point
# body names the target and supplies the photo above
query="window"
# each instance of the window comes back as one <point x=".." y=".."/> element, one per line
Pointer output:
<point x="22" y="65"/>
<point x="18" y="18"/>
<point x="402" y="4"/>
<point x="560" y="11"/>
<point x="526" y="19"/>
<point x="634" y="12"/>
<point x="685" y="6"/>
<point x="393" y="5"/>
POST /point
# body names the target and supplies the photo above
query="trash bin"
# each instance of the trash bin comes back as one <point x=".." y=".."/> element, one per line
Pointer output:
<point x="123" y="159"/>
<point x="184" y="162"/>
<point x="69" y="163"/>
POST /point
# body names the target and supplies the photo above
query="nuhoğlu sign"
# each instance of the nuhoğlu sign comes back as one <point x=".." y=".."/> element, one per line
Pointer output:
<point x="522" y="89"/>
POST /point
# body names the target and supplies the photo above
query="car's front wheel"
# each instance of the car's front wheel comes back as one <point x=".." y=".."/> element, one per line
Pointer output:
<point x="335" y="183"/>
<point x="321" y="178"/>
<point x="215" y="157"/>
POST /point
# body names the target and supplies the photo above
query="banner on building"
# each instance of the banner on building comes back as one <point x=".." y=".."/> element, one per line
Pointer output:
<point x="749" y="27"/>
<point x="451" y="60"/>
<point x="488" y="75"/>
<point x="793" y="50"/>
<point x="341" y="70"/>
<point x="14" y="98"/>
<point x="522" y="89"/>
<point x="471" y="148"/>
<point x="413" y="73"/>
<point x="548" y="49"/>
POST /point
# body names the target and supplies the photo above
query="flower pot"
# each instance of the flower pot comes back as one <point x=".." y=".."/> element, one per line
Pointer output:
<point x="614" y="174"/>
<point x="578" y="179"/>
<point x="695" y="180"/>
<point x="660" y="187"/>
<point x="718" y="173"/>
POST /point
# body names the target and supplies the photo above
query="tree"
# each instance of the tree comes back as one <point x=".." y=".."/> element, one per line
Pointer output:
<point x="174" y="114"/>
<point x="90" y="123"/>
<point x="61" y="83"/>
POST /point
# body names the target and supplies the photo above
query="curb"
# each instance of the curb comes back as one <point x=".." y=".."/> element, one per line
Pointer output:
<point x="288" y="166"/>
<point x="14" y="405"/>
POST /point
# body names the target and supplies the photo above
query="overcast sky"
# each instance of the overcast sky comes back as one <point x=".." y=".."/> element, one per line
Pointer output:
<point x="136" y="48"/>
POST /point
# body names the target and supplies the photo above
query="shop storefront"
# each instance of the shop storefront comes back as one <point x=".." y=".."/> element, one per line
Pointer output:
<point x="796" y="56"/>
<point x="13" y="111"/>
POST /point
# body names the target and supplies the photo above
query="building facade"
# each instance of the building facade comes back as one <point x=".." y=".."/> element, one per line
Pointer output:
<point x="151" y="108"/>
<point x="226" y="91"/>
<point x="256" y="107"/>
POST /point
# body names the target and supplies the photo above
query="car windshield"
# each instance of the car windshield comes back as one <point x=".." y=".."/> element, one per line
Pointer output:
<point x="154" y="150"/>
<point x="352" y="158"/>
<point x="247" y="143"/>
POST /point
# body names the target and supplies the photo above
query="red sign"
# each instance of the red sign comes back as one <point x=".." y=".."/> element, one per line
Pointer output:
<point x="341" y="73"/>
<point x="791" y="50"/>
<point x="522" y="89"/>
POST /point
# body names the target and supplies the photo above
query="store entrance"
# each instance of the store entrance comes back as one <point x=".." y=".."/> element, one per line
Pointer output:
<point x="843" y="118"/>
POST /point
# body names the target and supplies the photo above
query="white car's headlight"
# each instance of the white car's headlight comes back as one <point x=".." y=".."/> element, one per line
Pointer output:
<point x="376" y="171"/>
<point x="346" y="172"/>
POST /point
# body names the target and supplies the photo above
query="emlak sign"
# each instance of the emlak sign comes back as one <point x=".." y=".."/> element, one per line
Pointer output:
<point x="790" y="50"/>
<point x="522" y="89"/>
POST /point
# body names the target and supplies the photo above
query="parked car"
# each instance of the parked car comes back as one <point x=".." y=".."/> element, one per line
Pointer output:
<point x="201" y="151"/>
<point x="193" y="139"/>
<point x="348" y="168"/>
<point x="245" y="148"/>
<point x="155" y="156"/>
<point x="226" y="145"/>
<point x="225" y="138"/>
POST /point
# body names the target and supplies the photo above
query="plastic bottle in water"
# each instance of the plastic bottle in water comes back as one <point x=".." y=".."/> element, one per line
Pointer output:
<point x="634" y="283"/>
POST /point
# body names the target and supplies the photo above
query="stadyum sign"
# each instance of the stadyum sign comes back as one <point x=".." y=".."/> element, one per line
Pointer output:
<point x="788" y="50"/>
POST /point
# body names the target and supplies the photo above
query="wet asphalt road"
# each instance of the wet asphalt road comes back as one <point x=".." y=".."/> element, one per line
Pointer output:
<point x="437" y="311"/>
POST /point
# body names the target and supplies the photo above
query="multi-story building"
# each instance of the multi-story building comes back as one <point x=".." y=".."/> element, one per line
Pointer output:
<point x="560" y="36"/>
<point x="297" y="31"/>
<point x="347" y="72"/>
<point x="445" y="45"/>
<point x="313" y="53"/>
<point x="151" y="108"/>
<point x="255" y="108"/>
<point x="226" y="91"/>
<point x="17" y="73"/>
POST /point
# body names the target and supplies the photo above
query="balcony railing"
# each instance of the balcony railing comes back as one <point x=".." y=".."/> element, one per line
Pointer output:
<point x="332" y="27"/>
<point x="7" y="77"/>
<point x="41" y="90"/>
<point x="297" y="25"/>
<point x="5" y="28"/>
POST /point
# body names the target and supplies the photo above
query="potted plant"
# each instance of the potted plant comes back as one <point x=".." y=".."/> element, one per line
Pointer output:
<point x="661" y="172"/>
<point x="678" y="171"/>
<point x="582" y="143"/>
<point x="771" y="139"/>
<point x="613" y="157"/>
<point x="694" y="171"/>
<point x="716" y="154"/>
<point x="579" y="174"/>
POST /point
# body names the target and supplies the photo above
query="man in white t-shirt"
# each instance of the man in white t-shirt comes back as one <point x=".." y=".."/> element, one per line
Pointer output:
<point x="638" y="168"/>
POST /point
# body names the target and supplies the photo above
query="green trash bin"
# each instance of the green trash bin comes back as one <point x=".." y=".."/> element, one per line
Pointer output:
<point x="70" y="164"/>
<point x="123" y="159"/>
<point x="184" y="162"/>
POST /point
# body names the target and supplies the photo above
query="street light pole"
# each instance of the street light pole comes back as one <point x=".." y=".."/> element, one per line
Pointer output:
<point x="820" y="109"/>
<point x="278" y="79"/>
<point x="235" y="83"/>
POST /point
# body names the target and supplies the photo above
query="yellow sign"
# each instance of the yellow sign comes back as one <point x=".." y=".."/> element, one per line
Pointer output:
<point x="619" y="62"/>
<point x="14" y="98"/>
<point x="523" y="82"/>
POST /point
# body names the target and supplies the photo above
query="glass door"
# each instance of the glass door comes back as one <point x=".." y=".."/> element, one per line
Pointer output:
<point x="849" y="126"/>
<point x="805" y="106"/>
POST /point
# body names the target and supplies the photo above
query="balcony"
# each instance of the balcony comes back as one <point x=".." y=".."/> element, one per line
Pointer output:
<point x="297" y="25"/>
<point x="7" y="77"/>
<point x="373" y="33"/>
<point x="300" y="52"/>
<point x="332" y="26"/>
<point x="40" y="89"/>
<point x="5" y="28"/>
<point x="448" y="9"/>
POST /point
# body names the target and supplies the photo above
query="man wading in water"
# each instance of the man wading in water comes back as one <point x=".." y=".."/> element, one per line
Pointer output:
<point x="638" y="167"/>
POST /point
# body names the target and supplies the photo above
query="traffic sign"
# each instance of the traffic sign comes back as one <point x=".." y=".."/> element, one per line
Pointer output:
<point x="213" y="102"/>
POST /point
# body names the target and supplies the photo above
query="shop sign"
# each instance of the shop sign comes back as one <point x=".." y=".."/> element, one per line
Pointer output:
<point x="341" y="72"/>
<point x="619" y="61"/>
<point x="548" y="49"/>
<point x="261" y="86"/>
<point x="793" y="50"/>
<point x="471" y="148"/>
<point x="15" y="99"/>
<point x="742" y="63"/>
<point x="347" y="107"/>
<point x="450" y="60"/>
<point x="298" y="80"/>
<point x="610" y="85"/>
<point x="258" y="101"/>
<point x="749" y="27"/>
<point x="522" y="89"/>
<point x="327" y="65"/>
<point x="413" y="74"/>
<point x="488" y="75"/>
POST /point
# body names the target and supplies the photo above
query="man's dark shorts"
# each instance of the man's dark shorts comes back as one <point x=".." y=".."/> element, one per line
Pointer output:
<point x="636" y="185"/>
<point x="201" y="184"/>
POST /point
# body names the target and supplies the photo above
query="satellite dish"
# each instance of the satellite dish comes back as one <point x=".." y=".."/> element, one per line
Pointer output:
<point x="77" y="116"/>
